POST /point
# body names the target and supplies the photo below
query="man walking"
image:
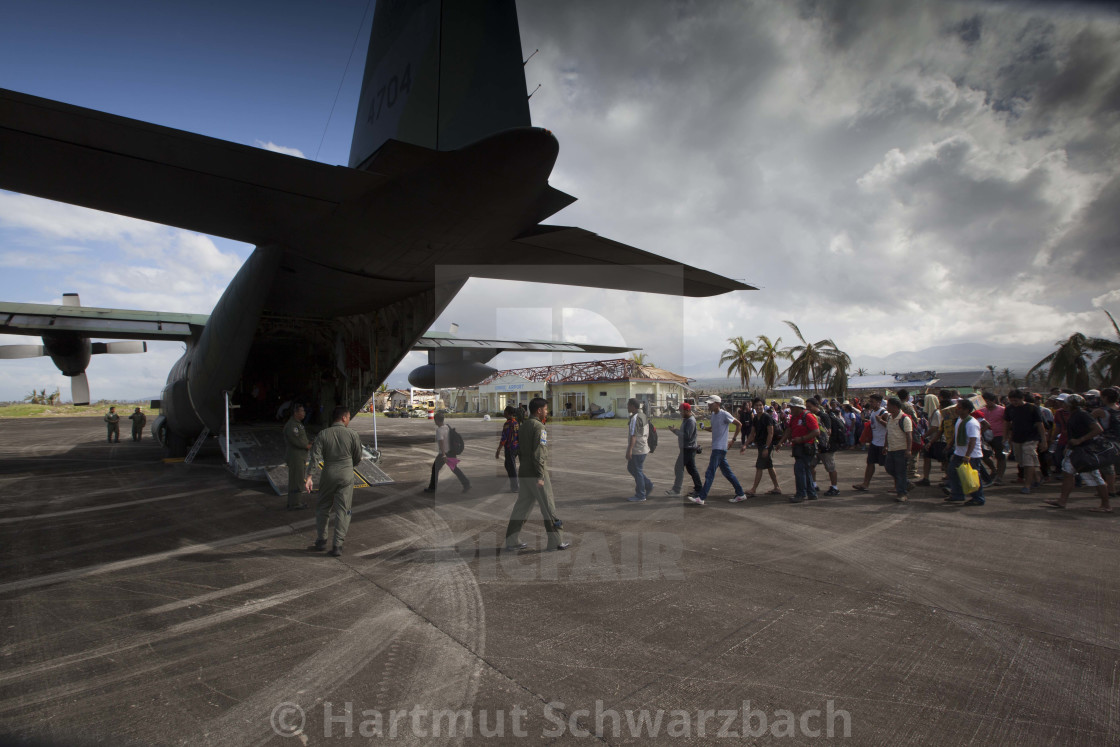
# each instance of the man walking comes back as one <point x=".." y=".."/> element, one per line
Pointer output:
<point x="443" y="443"/>
<point x="296" y="446"/>
<point x="721" y="423"/>
<point x="686" y="460"/>
<point x="803" y="432"/>
<point x="765" y="440"/>
<point x="826" y="446"/>
<point x="113" y="425"/>
<point x="876" y="453"/>
<point x="139" y="420"/>
<point x="637" y="448"/>
<point x="1028" y="435"/>
<point x="966" y="448"/>
<point x="340" y="450"/>
<point x="900" y="434"/>
<point x="535" y="486"/>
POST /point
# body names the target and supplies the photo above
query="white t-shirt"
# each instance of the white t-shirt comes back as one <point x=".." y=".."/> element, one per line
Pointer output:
<point x="721" y="421"/>
<point x="878" y="430"/>
<point x="972" y="430"/>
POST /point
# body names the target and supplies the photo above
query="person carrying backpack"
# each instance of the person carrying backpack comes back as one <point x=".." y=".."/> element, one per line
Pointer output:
<point x="450" y="445"/>
<point x="826" y="445"/>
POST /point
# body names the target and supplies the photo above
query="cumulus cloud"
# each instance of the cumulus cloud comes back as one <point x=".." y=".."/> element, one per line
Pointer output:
<point x="892" y="175"/>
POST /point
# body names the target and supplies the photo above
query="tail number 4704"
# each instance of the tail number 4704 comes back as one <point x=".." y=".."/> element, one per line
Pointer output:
<point x="388" y="95"/>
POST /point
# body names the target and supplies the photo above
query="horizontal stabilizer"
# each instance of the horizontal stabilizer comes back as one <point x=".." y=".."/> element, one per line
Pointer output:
<point x="573" y="256"/>
<point x="11" y="352"/>
<point x="105" y="162"/>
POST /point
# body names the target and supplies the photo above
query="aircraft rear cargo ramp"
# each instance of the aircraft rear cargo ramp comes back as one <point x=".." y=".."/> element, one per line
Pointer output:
<point x="257" y="453"/>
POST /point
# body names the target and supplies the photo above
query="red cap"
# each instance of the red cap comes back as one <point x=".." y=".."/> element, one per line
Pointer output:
<point x="685" y="406"/>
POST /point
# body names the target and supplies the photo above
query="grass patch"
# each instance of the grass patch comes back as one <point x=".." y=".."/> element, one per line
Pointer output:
<point x="124" y="409"/>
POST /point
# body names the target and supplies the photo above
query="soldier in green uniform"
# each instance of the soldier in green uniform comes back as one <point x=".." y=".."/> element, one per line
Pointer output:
<point x="139" y="420"/>
<point x="296" y="447"/>
<point x="535" y="487"/>
<point x="340" y="450"/>
<point x="112" y="423"/>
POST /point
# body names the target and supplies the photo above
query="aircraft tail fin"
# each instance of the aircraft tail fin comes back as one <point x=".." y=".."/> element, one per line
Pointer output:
<point x="440" y="74"/>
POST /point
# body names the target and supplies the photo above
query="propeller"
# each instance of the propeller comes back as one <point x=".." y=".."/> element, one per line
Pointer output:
<point x="79" y="389"/>
<point x="118" y="348"/>
<point x="68" y="351"/>
<point x="11" y="352"/>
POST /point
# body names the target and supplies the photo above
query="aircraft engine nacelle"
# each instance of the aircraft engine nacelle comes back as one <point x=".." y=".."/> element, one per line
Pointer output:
<point x="453" y="374"/>
<point x="69" y="351"/>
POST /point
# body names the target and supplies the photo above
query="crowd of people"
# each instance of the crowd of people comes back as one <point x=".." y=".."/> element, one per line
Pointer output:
<point x="907" y="436"/>
<point x="1069" y="438"/>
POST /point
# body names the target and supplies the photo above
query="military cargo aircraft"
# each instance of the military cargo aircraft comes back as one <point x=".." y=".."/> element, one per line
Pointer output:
<point x="447" y="180"/>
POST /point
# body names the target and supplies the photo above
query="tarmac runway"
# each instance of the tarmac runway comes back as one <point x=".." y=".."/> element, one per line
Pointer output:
<point x="152" y="603"/>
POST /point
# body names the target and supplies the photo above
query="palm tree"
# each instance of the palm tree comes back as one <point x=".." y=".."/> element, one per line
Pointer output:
<point x="1069" y="364"/>
<point x="1107" y="365"/>
<point x="813" y="362"/>
<point x="1008" y="377"/>
<point x="740" y="359"/>
<point x="861" y="372"/>
<point x="992" y="371"/>
<point x="836" y="371"/>
<point x="767" y="355"/>
<point x="639" y="359"/>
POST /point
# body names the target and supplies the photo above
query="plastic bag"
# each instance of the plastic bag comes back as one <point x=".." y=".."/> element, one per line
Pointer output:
<point x="969" y="477"/>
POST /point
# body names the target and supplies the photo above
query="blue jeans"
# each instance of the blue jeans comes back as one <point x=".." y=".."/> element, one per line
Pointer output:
<point x="896" y="468"/>
<point x="956" y="492"/>
<point x="719" y="459"/>
<point x="634" y="465"/>
<point x="803" y="477"/>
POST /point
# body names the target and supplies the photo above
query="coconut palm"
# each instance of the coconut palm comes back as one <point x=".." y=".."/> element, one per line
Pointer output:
<point x="835" y="371"/>
<point x="1106" y="367"/>
<point x="1069" y="364"/>
<point x="861" y="372"/>
<point x="767" y="355"/>
<point x="1008" y="377"/>
<point x="813" y="362"/>
<point x="639" y="359"/>
<point x="739" y="359"/>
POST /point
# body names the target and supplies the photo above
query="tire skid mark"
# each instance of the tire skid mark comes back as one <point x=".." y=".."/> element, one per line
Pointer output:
<point x="880" y="563"/>
<point x="178" y="629"/>
<point x="194" y="549"/>
<point x="446" y="673"/>
<point x="111" y="506"/>
<point x="97" y="683"/>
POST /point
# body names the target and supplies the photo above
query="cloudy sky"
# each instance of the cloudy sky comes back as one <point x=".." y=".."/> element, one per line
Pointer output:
<point x="893" y="175"/>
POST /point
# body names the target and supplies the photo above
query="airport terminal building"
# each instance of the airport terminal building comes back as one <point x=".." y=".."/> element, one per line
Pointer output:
<point x="591" y="387"/>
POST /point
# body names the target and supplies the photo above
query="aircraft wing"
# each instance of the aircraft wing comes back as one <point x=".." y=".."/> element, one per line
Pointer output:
<point x="88" y="321"/>
<point x="434" y="341"/>
<point x="125" y="166"/>
<point x="574" y="256"/>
